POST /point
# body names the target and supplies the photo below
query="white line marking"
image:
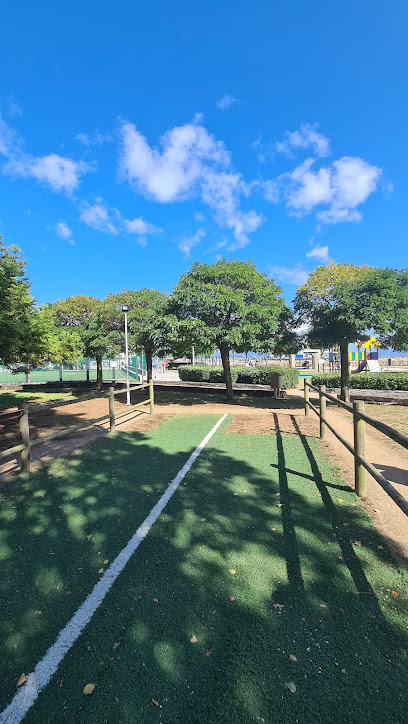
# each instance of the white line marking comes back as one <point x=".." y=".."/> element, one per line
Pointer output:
<point x="48" y="665"/>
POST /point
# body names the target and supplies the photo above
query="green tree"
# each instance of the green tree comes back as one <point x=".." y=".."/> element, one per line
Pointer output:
<point x="149" y="324"/>
<point x="229" y="305"/>
<point x="344" y="302"/>
<point x="23" y="335"/>
<point x="90" y="319"/>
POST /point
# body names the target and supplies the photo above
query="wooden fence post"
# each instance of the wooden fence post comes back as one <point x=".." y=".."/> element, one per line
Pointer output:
<point x="322" y="405"/>
<point x="24" y="428"/>
<point x="151" y="396"/>
<point x="359" y="449"/>
<point x="112" y="409"/>
<point x="306" y="396"/>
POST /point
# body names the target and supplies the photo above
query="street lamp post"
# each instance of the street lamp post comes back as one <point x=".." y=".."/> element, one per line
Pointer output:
<point x="125" y="309"/>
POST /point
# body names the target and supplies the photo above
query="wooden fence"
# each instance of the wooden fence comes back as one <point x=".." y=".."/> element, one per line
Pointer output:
<point x="24" y="426"/>
<point x="361" y="464"/>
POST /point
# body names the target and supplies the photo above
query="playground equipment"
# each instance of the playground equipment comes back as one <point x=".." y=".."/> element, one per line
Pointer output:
<point x="367" y="356"/>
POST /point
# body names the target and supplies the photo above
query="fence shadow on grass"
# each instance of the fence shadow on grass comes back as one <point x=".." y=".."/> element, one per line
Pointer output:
<point x="272" y="520"/>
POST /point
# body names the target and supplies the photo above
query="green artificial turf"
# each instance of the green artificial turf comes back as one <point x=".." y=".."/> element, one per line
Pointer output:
<point x="263" y="519"/>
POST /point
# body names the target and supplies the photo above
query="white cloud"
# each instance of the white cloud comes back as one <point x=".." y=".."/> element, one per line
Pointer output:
<point x="8" y="138"/>
<point x="58" y="172"/>
<point x="13" y="108"/>
<point x="139" y="226"/>
<point x="192" y="164"/>
<point x="320" y="253"/>
<point x="93" y="139"/>
<point x="286" y="275"/>
<point x="227" y="101"/>
<point x="188" y="242"/>
<point x="64" y="231"/>
<point x="98" y="216"/>
<point x="307" y="137"/>
<point x="342" y="187"/>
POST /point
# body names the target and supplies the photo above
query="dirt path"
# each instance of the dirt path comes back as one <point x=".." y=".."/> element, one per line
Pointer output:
<point x="390" y="459"/>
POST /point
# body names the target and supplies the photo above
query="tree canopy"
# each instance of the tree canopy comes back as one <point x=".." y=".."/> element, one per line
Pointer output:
<point x="343" y="302"/>
<point x="23" y="333"/>
<point x="229" y="305"/>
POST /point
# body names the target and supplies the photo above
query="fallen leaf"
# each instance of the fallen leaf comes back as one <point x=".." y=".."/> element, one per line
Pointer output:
<point x="232" y="571"/>
<point x="115" y="645"/>
<point x="37" y="613"/>
<point x="203" y="520"/>
<point x="340" y="558"/>
<point x="278" y="606"/>
<point x="343" y="671"/>
<point x="292" y="658"/>
<point x="88" y="537"/>
<point x="21" y="680"/>
<point x="155" y="600"/>
<point x="88" y="689"/>
<point x="193" y="640"/>
<point x="231" y="598"/>
<point x="291" y="686"/>
<point x="208" y="653"/>
<point x="322" y="605"/>
<point x="105" y="563"/>
<point x="155" y="703"/>
<point x="394" y="594"/>
<point x="340" y="500"/>
<point x="380" y="548"/>
<point x="357" y="542"/>
<point x="100" y="570"/>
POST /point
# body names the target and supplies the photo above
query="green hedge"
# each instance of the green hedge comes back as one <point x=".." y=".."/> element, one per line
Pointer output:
<point x="262" y="376"/>
<point x="246" y="375"/>
<point x="366" y="380"/>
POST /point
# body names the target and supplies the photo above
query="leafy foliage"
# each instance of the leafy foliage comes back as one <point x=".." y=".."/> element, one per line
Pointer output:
<point x="342" y="302"/>
<point x="23" y="334"/>
<point x="245" y="375"/>
<point x="366" y="381"/>
<point x="229" y="305"/>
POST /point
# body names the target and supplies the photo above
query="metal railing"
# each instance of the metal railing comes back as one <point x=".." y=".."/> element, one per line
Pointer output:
<point x="360" y="418"/>
<point x="24" y="426"/>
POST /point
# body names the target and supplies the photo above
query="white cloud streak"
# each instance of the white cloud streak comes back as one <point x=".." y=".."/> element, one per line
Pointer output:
<point x="227" y="101"/>
<point x="64" y="231"/>
<point x="100" y="217"/>
<point x="320" y="253"/>
<point x="93" y="139"/>
<point x="306" y="137"/>
<point x="188" y="242"/>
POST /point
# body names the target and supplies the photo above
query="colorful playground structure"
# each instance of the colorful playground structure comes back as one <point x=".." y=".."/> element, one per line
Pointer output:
<point x="366" y="356"/>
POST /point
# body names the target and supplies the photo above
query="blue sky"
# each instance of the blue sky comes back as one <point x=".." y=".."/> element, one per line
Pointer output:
<point x="137" y="138"/>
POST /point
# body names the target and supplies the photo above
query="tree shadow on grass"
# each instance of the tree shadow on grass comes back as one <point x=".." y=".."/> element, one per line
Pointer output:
<point x="241" y="399"/>
<point x="269" y="537"/>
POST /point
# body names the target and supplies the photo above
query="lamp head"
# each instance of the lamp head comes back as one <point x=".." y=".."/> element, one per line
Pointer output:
<point x="125" y="308"/>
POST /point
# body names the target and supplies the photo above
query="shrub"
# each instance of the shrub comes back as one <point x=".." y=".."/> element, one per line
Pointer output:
<point x="366" y="381"/>
<point x="217" y="374"/>
<point x="194" y="373"/>
<point x="246" y="375"/>
<point x="262" y="375"/>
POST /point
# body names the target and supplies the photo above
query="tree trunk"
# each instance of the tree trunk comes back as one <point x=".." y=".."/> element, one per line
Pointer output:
<point x="227" y="372"/>
<point x="344" y="367"/>
<point x="149" y="364"/>
<point x="98" y="372"/>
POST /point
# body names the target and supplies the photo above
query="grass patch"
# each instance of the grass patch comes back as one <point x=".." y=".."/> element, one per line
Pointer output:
<point x="264" y="519"/>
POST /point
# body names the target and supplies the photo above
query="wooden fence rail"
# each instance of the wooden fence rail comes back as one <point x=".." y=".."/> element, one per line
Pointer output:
<point x="360" y="418"/>
<point x="22" y="414"/>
